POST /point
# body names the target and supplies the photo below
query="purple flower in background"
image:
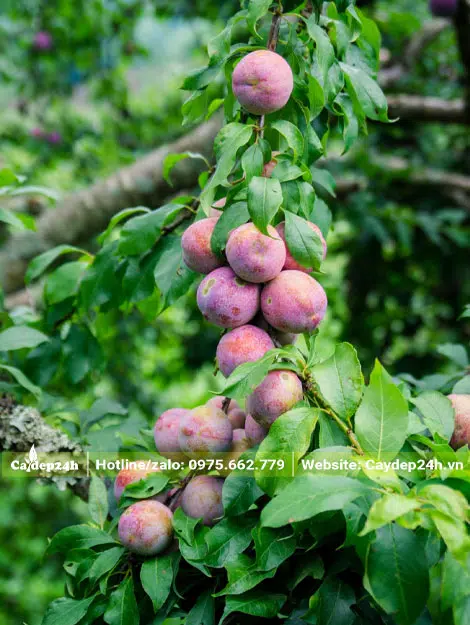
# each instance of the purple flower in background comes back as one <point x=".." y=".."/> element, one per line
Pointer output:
<point x="443" y="8"/>
<point x="42" y="40"/>
<point x="54" y="138"/>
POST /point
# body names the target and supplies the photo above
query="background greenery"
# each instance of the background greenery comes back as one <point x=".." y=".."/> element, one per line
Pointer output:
<point x="108" y="92"/>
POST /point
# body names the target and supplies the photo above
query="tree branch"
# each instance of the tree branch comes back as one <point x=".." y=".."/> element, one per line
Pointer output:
<point x="427" y="109"/>
<point x="21" y="427"/>
<point x="84" y="214"/>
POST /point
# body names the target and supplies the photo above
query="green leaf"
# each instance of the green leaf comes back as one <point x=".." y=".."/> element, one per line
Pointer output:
<point x="203" y="611"/>
<point x="321" y="215"/>
<point x="254" y="602"/>
<point x="365" y="91"/>
<point x="184" y="525"/>
<point x="340" y="380"/>
<point x="82" y="353"/>
<point x="304" y="243"/>
<point x="201" y="78"/>
<point x="243" y="576"/>
<point x="307" y="565"/>
<point x="239" y="493"/>
<point x="335" y="599"/>
<point x="78" y="537"/>
<point x="388" y="509"/>
<point x="66" y="611"/>
<point x="11" y="218"/>
<point x="324" y="51"/>
<point x="7" y="177"/>
<point x="141" y="233"/>
<point x="381" y="422"/>
<point x="64" y="282"/>
<point x="309" y="495"/>
<point x="456" y="353"/>
<point x="324" y="180"/>
<point x="248" y="376"/>
<point x="291" y="134"/>
<point x="22" y="380"/>
<point x="256" y="10"/>
<point x="289" y="437"/>
<point x="124" y="214"/>
<point x="397" y="573"/>
<point x="437" y="412"/>
<point x="157" y="577"/>
<point x="122" y="608"/>
<point x="171" y="160"/>
<point x="20" y="337"/>
<point x="227" y="539"/>
<point x="264" y="200"/>
<point x="227" y="143"/>
<point x="273" y="546"/>
<point x="232" y="217"/>
<point x="39" y="264"/>
<point x="105" y="562"/>
<point x="98" y="501"/>
<point x="172" y="276"/>
<point x="252" y="162"/>
<point x="100" y="283"/>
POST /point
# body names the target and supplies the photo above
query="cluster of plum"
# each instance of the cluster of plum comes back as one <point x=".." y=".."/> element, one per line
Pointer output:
<point x="264" y="297"/>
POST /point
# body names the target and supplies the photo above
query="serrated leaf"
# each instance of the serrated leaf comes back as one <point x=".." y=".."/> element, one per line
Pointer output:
<point x="235" y="215"/>
<point x="157" y="577"/>
<point x="105" y="562"/>
<point x="256" y="10"/>
<point x="387" y="509"/>
<point x="78" y="537"/>
<point x="243" y="576"/>
<point x="239" y="493"/>
<point x="248" y="376"/>
<point x="255" y="603"/>
<point x="437" y="412"/>
<point x="203" y="611"/>
<point x="141" y="233"/>
<point x="227" y="539"/>
<point x="273" y="546"/>
<point x="122" y="607"/>
<point x="381" y="422"/>
<point x="310" y="495"/>
<point x="397" y="573"/>
<point x="66" y="611"/>
<point x="252" y="162"/>
<point x="366" y="92"/>
<point x="304" y="243"/>
<point x="340" y="380"/>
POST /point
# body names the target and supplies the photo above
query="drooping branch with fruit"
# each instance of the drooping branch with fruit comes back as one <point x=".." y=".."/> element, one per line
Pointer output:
<point x="235" y="532"/>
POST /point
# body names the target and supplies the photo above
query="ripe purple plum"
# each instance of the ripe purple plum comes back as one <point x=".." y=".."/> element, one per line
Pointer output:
<point x="291" y="263"/>
<point x="205" y="429"/>
<point x="202" y="499"/>
<point x="461" y="406"/>
<point x="129" y="476"/>
<point x="166" y="430"/>
<point x="227" y="301"/>
<point x="237" y="418"/>
<point x="146" y="528"/>
<point x="253" y="256"/>
<point x="277" y="393"/>
<point x="294" y="302"/>
<point x="255" y="432"/>
<point x="240" y="442"/>
<point x="262" y="82"/>
<point x="245" y="344"/>
<point x="443" y="8"/>
<point x="196" y="244"/>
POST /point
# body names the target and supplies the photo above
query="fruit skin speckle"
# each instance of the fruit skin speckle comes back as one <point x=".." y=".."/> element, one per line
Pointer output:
<point x="278" y="392"/>
<point x="205" y="429"/>
<point x="146" y="528"/>
<point x="196" y="245"/>
<point x="227" y="301"/>
<point x="245" y="344"/>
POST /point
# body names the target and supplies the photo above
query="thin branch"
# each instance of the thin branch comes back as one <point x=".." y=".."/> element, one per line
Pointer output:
<point x="427" y="109"/>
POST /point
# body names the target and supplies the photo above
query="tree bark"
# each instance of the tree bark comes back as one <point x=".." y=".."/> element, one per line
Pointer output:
<point x="82" y="215"/>
<point x="427" y="109"/>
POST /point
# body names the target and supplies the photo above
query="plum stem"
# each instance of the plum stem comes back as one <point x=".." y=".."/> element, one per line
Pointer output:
<point x="226" y="404"/>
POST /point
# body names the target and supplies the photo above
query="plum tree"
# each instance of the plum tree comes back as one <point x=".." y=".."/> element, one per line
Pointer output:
<point x="278" y="392"/>
<point x="291" y="263"/>
<point x="443" y="8"/>
<point x="294" y="302"/>
<point x="461" y="406"/>
<point x="205" y="429"/>
<point x="245" y="344"/>
<point x="255" y="432"/>
<point x="202" y="498"/>
<point x="146" y="528"/>
<point x="166" y="430"/>
<point x="196" y="245"/>
<point x="262" y="82"/>
<point x="226" y="300"/>
<point x="253" y="256"/>
<point x="129" y="476"/>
